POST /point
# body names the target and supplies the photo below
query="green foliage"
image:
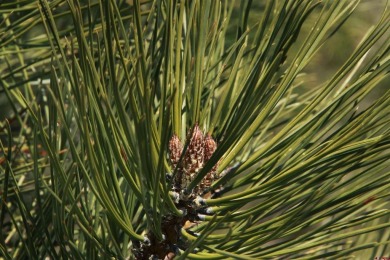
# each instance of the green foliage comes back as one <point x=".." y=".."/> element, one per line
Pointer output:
<point x="96" y="89"/>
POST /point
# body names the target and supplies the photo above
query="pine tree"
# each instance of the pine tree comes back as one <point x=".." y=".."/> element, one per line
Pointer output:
<point x="194" y="129"/>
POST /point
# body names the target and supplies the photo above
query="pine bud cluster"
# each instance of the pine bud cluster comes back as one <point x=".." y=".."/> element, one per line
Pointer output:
<point x="199" y="151"/>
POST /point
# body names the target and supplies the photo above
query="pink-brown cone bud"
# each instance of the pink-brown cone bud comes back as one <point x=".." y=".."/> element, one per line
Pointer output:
<point x="175" y="150"/>
<point x="209" y="148"/>
<point x="193" y="160"/>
